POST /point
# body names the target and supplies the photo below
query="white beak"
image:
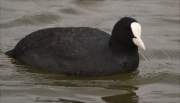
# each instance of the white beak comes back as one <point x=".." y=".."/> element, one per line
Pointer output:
<point x="139" y="43"/>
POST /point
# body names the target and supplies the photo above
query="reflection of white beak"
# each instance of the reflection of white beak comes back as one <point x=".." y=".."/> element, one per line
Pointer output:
<point x="139" y="43"/>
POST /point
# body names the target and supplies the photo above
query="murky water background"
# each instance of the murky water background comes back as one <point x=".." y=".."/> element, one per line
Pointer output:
<point x="157" y="79"/>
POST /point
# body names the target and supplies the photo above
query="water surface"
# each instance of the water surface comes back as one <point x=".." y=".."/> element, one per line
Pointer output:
<point x="157" y="79"/>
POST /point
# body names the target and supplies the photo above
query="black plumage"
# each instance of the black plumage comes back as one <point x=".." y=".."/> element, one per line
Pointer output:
<point x="80" y="50"/>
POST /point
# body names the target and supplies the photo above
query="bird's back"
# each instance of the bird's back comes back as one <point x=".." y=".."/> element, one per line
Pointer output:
<point x="64" y="49"/>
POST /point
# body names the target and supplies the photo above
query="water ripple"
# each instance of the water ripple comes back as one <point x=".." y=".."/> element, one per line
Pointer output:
<point x="159" y="55"/>
<point x="37" y="19"/>
<point x="72" y="11"/>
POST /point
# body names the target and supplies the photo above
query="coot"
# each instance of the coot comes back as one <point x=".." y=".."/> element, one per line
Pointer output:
<point x="82" y="51"/>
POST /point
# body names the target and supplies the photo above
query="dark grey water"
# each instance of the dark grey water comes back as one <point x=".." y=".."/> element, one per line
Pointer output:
<point x="157" y="79"/>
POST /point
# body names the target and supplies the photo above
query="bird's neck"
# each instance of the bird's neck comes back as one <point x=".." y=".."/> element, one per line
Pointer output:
<point x="121" y="44"/>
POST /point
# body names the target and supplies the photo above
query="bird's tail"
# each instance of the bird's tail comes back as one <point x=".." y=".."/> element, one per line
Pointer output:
<point x="10" y="53"/>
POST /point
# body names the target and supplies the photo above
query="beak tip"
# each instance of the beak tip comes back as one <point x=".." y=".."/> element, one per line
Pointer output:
<point x="143" y="48"/>
<point x="139" y="43"/>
